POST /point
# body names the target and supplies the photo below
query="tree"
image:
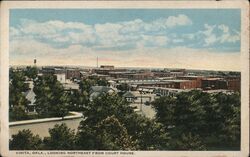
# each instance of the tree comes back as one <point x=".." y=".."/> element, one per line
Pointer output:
<point x="85" y="85"/>
<point x="86" y="137"/>
<point x="106" y="105"/>
<point x="187" y="141"/>
<point x="17" y="87"/>
<point x="123" y="87"/>
<point x="77" y="100"/>
<point x="182" y="115"/>
<point x="99" y="81"/>
<point x="108" y="134"/>
<point x="25" y="140"/>
<point x="149" y="134"/>
<point x="61" y="138"/>
<point x="102" y="82"/>
<point x="18" y="113"/>
<point x="165" y="108"/>
<point x="51" y="99"/>
<point x="145" y="133"/>
<point x="31" y="72"/>
<point x="17" y="100"/>
<point x="206" y="121"/>
<point x="227" y="121"/>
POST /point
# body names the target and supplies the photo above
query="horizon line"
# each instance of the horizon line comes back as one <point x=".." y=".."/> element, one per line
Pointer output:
<point x="60" y="65"/>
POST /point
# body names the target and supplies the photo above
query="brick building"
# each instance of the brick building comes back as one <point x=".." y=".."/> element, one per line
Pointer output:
<point x="73" y="74"/>
<point x="107" y="69"/>
<point x="177" y="84"/>
<point x="197" y="79"/>
<point x="161" y="74"/>
<point x="213" y="83"/>
<point x="233" y="84"/>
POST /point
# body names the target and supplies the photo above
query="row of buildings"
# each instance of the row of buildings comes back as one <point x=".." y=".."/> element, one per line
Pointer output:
<point x="136" y="78"/>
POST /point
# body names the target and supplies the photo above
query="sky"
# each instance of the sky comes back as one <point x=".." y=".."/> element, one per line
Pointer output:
<point x="154" y="38"/>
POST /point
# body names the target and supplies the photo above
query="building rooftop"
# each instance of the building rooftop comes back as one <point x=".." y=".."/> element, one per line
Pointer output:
<point x="213" y="79"/>
<point x="176" y="80"/>
<point x="100" y="89"/>
<point x="128" y="95"/>
<point x="71" y="86"/>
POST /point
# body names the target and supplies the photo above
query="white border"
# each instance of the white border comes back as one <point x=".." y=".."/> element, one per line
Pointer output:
<point x="5" y="6"/>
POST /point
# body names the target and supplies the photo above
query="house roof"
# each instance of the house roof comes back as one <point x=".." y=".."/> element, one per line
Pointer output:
<point x="30" y="95"/>
<point x="128" y="95"/>
<point x="97" y="90"/>
<point x="100" y="89"/>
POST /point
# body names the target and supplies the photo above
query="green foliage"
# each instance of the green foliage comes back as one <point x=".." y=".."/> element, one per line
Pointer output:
<point x="25" y="140"/>
<point x="145" y="133"/>
<point x="123" y="87"/>
<point x="51" y="100"/>
<point x="17" y="87"/>
<point x="31" y="72"/>
<point x="17" y="81"/>
<point x="99" y="81"/>
<point x="18" y="113"/>
<point x="17" y="99"/>
<point x="77" y="100"/>
<point x="108" y="134"/>
<point x="86" y="84"/>
<point x="61" y="138"/>
<point x="149" y="134"/>
<point x="102" y="82"/>
<point x="187" y="141"/>
<point x="192" y="120"/>
<point x="207" y="120"/>
<point x="114" y="135"/>
<point x="86" y="137"/>
<point x="106" y="105"/>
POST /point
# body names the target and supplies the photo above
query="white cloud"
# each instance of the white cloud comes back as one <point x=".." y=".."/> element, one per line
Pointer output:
<point x="136" y="25"/>
<point x="212" y="36"/>
<point x="179" y="57"/>
<point x="178" y="40"/>
<point x="210" y="39"/>
<point x="180" y="20"/>
<point x="208" y="29"/>
<point x="98" y="35"/>
<point x="224" y="28"/>
<point x="58" y="42"/>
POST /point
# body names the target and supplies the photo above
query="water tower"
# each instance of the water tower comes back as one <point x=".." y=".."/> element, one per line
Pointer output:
<point x="34" y="62"/>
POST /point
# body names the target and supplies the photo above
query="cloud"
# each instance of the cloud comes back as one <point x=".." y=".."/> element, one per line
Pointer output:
<point x="178" y="57"/>
<point x="180" y="20"/>
<point x="228" y="36"/>
<point x="212" y="35"/>
<point x="224" y="28"/>
<point x="126" y="33"/>
<point x="157" y="43"/>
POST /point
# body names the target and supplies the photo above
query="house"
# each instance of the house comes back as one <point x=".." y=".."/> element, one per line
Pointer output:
<point x="61" y="77"/>
<point x="95" y="91"/>
<point x="130" y="97"/>
<point x="30" y="96"/>
<point x="73" y="74"/>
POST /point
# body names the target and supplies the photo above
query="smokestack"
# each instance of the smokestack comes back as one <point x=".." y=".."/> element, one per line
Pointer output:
<point x="97" y="62"/>
<point x="34" y="62"/>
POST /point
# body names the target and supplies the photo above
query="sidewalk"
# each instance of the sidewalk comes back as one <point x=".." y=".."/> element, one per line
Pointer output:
<point x="76" y="115"/>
